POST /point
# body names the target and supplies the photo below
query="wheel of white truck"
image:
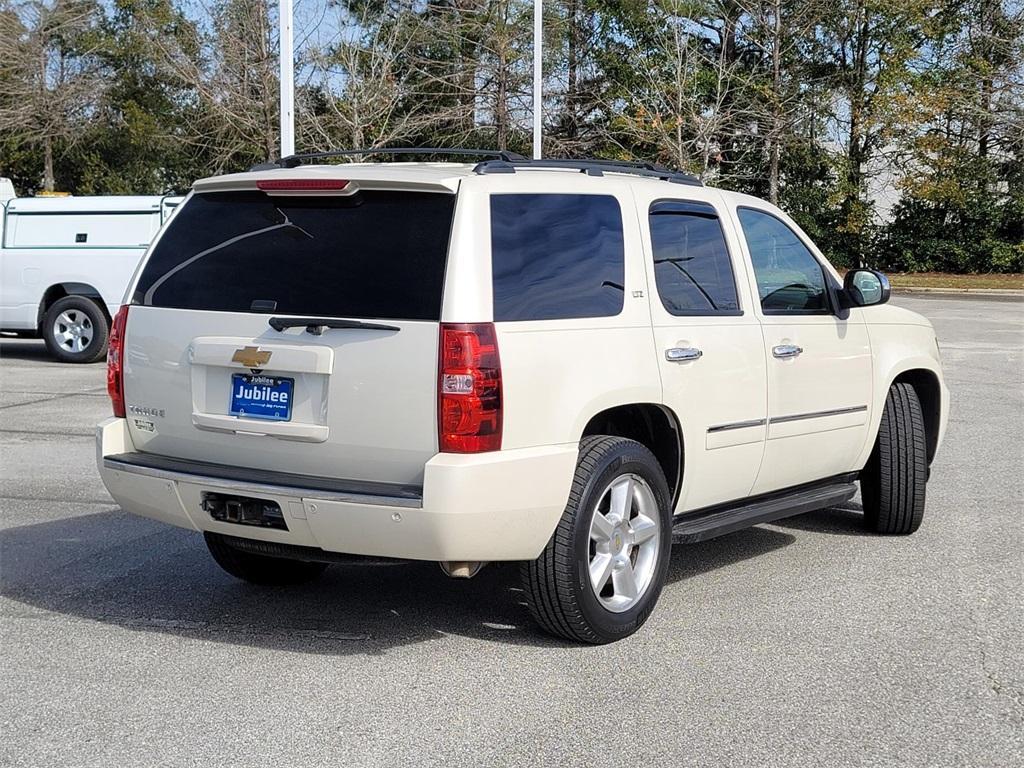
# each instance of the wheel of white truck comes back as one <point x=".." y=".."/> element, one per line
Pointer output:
<point x="260" y="569"/>
<point x="601" y="573"/>
<point x="75" y="330"/>
<point x="892" y="485"/>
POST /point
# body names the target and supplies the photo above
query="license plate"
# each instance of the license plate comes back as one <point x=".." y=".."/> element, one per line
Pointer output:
<point x="261" y="397"/>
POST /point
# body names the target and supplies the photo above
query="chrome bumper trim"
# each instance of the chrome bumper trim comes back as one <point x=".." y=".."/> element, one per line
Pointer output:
<point x="256" y="487"/>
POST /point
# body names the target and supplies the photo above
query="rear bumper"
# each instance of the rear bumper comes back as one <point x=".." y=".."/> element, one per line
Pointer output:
<point x="491" y="506"/>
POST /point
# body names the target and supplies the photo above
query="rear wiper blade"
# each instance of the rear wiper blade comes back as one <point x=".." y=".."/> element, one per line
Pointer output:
<point x="317" y="325"/>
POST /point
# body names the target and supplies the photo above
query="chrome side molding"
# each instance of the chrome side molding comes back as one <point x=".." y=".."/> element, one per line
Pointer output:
<point x="817" y="414"/>
<point x="737" y="425"/>
<point x="783" y="419"/>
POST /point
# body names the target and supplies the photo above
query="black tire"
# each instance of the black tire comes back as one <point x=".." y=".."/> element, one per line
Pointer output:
<point x="557" y="584"/>
<point x="91" y="317"/>
<point x="261" y="569"/>
<point x="892" y="485"/>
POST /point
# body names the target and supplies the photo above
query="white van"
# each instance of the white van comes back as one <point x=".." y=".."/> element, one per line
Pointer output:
<point x="65" y="263"/>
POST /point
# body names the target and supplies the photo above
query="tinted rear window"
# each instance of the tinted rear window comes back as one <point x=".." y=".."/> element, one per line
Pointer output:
<point x="556" y="256"/>
<point x="372" y="255"/>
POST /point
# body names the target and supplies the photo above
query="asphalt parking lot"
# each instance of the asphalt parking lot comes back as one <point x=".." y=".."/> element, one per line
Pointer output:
<point x="804" y="643"/>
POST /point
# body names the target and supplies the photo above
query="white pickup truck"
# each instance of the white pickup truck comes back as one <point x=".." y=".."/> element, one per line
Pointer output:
<point x="65" y="263"/>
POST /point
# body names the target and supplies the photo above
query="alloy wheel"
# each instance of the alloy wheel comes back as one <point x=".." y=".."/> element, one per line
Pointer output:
<point x="624" y="543"/>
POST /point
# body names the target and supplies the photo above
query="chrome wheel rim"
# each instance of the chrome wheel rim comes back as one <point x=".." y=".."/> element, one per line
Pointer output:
<point x="624" y="542"/>
<point x="73" y="330"/>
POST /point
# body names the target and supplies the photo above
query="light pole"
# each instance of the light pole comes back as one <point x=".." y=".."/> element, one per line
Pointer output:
<point x="538" y="71"/>
<point x="287" y="79"/>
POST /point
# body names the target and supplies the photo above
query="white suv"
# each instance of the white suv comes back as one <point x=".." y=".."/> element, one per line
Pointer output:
<point x="571" y="364"/>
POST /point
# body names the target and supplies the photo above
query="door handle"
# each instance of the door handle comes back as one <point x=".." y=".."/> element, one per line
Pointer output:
<point x="786" y="350"/>
<point x="682" y="354"/>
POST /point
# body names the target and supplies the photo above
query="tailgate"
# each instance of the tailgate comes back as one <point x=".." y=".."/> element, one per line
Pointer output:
<point x="207" y="377"/>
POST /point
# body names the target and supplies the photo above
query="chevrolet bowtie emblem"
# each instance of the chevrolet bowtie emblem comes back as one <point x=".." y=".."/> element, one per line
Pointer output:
<point x="251" y="357"/>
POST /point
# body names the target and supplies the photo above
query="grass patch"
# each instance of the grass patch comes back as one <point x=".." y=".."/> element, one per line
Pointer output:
<point x="942" y="280"/>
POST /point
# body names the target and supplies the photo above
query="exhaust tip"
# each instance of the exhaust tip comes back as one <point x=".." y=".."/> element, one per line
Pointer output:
<point x="461" y="569"/>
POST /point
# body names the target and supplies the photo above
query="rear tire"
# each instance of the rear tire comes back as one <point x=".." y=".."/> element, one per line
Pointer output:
<point x="598" y="581"/>
<point x="892" y="485"/>
<point x="76" y="330"/>
<point x="261" y="569"/>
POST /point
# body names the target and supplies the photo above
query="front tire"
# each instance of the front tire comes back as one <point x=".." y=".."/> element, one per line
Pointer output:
<point x="260" y="569"/>
<point x="892" y="485"/>
<point x="599" y="577"/>
<point x="76" y="330"/>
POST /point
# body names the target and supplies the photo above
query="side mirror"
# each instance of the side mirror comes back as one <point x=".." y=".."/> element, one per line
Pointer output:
<point x="865" y="288"/>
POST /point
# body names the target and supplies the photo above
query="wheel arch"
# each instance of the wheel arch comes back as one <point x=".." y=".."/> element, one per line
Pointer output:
<point x="58" y="291"/>
<point x="651" y="424"/>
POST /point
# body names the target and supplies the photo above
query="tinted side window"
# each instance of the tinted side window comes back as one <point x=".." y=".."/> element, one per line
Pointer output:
<point x="691" y="261"/>
<point x="789" y="279"/>
<point x="372" y="255"/>
<point x="556" y="256"/>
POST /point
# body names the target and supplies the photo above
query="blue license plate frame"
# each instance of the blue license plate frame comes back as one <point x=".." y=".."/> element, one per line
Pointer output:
<point x="256" y="396"/>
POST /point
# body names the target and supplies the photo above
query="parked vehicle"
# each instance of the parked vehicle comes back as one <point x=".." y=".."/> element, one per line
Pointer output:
<point x="6" y="190"/>
<point x="65" y="263"/>
<point x="571" y="364"/>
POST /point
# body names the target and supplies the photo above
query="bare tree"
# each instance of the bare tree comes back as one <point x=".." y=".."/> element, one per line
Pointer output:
<point x="503" y="71"/>
<point x="364" y="88"/>
<point x="681" y="102"/>
<point x="778" y="31"/>
<point x="50" y="76"/>
<point x="473" y="60"/>
<point x="871" y="49"/>
<point x="577" y="85"/>
<point x="232" y="68"/>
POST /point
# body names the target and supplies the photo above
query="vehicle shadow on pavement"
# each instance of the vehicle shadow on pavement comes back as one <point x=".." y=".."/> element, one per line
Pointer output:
<point x="691" y="561"/>
<point x="35" y="351"/>
<point x="139" y="575"/>
<point x="847" y="520"/>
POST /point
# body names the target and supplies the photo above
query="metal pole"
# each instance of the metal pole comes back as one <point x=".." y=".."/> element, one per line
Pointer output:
<point x="538" y="70"/>
<point x="287" y="79"/>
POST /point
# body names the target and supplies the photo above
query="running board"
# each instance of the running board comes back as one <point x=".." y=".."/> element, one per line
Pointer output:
<point x="702" y="525"/>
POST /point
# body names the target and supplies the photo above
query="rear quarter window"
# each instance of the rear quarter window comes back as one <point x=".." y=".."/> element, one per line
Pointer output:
<point x="556" y="256"/>
<point x="374" y="254"/>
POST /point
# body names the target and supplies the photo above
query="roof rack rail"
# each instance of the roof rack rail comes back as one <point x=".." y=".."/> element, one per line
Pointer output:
<point x="591" y="167"/>
<point x="294" y="161"/>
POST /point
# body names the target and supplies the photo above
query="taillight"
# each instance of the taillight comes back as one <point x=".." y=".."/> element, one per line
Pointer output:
<point x="115" y="362"/>
<point x="469" y="389"/>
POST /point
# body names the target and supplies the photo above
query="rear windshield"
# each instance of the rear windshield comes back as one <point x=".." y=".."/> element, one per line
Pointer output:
<point x="372" y="254"/>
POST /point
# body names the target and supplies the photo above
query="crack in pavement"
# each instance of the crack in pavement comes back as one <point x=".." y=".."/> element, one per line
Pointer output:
<point x="1004" y="690"/>
<point x="107" y="502"/>
<point x="44" y="432"/>
<point x="196" y="627"/>
<point x="56" y="396"/>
